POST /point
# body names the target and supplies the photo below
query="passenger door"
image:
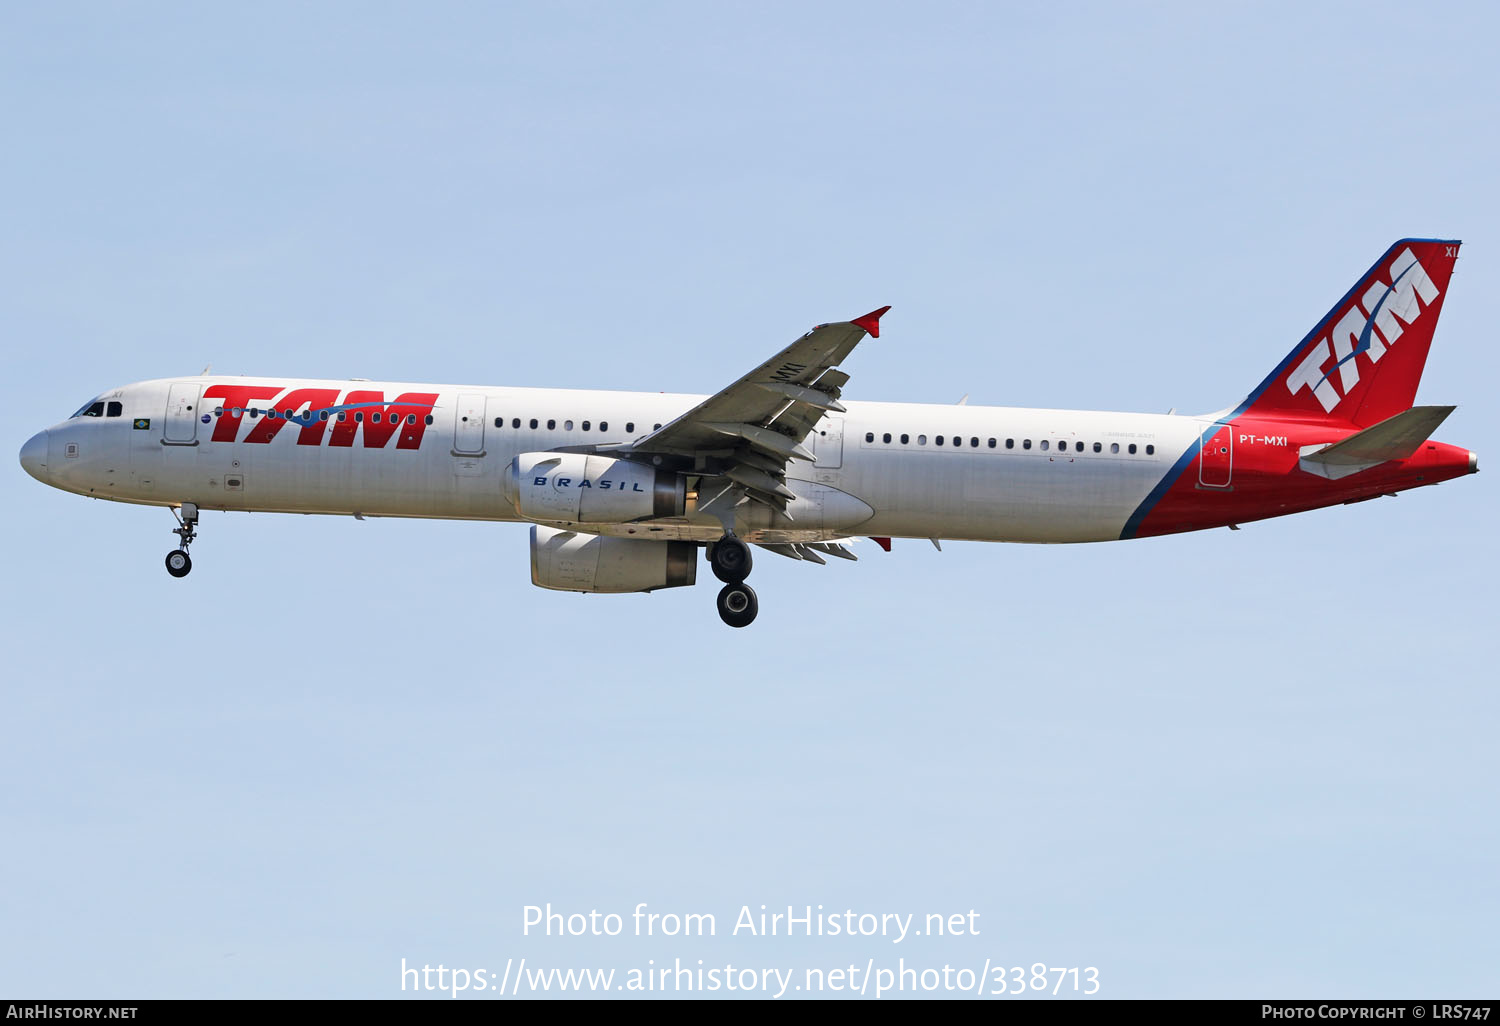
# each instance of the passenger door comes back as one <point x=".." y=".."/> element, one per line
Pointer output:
<point x="180" y="426"/>
<point x="1216" y="456"/>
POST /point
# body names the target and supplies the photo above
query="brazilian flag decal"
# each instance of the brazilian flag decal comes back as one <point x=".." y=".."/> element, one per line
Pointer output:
<point x="143" y="423"/>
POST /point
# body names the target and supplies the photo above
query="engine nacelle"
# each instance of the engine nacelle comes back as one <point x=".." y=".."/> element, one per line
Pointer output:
<point x="574" y="488"/>
<point x="568" y="561"/>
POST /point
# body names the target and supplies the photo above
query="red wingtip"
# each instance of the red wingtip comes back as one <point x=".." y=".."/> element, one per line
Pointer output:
<point x="884" y="543"/>
<point x="871" y="321"/>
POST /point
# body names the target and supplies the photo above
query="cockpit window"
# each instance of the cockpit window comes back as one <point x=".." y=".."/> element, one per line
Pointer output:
<point x="91" y="409"/>
<point x="114" y="409"/>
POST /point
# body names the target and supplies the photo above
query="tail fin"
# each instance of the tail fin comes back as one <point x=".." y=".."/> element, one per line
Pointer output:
<point x="1362" y="362"/>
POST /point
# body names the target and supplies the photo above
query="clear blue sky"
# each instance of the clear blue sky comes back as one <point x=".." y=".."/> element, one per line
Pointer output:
<point x="1219" y="764"/>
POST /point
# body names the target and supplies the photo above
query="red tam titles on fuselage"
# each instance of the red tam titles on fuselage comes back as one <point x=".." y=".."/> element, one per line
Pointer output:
<point x="363" y="412"/>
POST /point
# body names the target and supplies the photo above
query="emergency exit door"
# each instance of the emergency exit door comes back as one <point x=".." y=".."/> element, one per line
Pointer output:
<point x="828" y="442"/>
<point x="468" y="425"/>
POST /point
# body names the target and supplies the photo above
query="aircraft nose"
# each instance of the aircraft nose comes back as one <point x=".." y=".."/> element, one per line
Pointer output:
<point x="34" y="456"/>
<point x="1473" y="462"/>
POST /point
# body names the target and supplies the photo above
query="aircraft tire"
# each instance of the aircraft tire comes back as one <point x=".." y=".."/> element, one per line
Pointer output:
<point x="738" y="604"/>
<point x="730" y="560"/>
<point x="178" y="563"/>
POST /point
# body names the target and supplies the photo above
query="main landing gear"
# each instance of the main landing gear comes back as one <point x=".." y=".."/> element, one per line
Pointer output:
<point x="730" y="561"/>
<point x="179" y="563"/>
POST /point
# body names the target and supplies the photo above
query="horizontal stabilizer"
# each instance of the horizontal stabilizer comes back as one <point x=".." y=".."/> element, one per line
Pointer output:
<point x="1394" y="438"/>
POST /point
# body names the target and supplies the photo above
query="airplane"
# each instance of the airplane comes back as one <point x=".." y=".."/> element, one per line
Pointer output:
<point x="622" y="489"/>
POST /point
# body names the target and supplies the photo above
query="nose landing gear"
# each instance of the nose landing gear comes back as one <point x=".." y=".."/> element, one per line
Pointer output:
<point x="729" y="558"/>
<point x="179" y="563"/>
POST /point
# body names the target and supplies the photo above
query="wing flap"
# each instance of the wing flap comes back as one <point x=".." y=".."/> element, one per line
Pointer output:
<point x="807" y="396"/>
<point x="760" y="481"/>
<point x="766" y="440"/>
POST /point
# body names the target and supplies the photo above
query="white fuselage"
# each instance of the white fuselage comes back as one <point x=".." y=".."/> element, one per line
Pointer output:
<point x="882" y="469"/>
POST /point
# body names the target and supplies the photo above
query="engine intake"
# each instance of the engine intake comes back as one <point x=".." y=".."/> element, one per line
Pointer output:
<point x="574" y="488"/>
<point x="568" y="561"/>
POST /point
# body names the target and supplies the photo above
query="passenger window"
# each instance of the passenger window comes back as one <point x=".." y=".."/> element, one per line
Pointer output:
<point x="359" y="417"/>
<point x="585" y="425"/>
<point x="567" y="425"/>
<point x="1098" y="447"/>
<point x="114" y="410"/>
<point x="974" y="443"/>
<point x="655" y="427"/>
<point x="921" y="439"/>
<point x="515" y="422"/>
<point x="869" y="436"/>
<point x="1010" y="443"/>
<point x="411" y="418"/>
<point x="533" y="423"/>
<point x="255" y="412"/>
<point x="886" y="438"/>
<point x="499" y="421"/>
<point x="992" y="443"/>
<point x="1063" y="446"/>
<point x="905" y="439"/>
<point x="630" y="427"/>
<point x="551" y="425"/>
<point x="938" y="440"/>
<point x="1026" y="444"/>
<point x="427" y="419"/>
<point x="604" y="425"/>
<point x="1150" y="450"/>
<point x="218" y="411"/>
<point x="1132" y="448"/>
<point x="1078" y="447"/>
<point x="1114" y="447"/>
<point x="1044" y="445"/>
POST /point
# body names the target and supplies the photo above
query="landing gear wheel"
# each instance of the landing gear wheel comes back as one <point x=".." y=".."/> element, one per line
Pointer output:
<point x="730" y="560"/>
<point x="738" y="605"/>
<point x="178" y="562"/>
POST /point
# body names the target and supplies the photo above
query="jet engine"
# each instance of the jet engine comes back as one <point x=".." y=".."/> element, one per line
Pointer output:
<point x="574" y="488"/>
<point x="568" y="561"/>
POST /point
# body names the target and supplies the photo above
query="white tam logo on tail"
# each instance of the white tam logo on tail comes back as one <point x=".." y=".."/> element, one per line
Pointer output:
<point x="1369" y="330"/>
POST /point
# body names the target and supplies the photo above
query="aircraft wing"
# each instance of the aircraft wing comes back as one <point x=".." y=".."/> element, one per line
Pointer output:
<point x="749" y="431"/>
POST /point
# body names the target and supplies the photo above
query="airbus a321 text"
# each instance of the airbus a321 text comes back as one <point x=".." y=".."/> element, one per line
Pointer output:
<point x="623" y="488"/>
